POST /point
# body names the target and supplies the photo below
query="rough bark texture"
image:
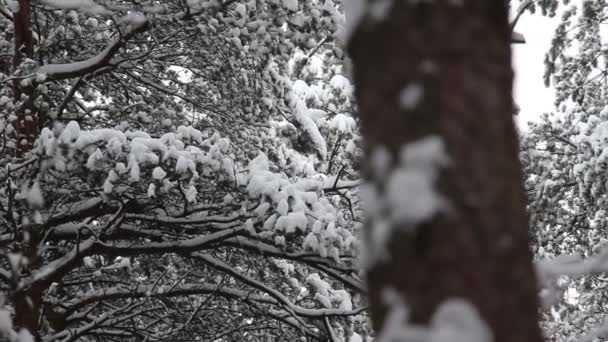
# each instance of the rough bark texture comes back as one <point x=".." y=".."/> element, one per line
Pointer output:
<point x="27" y="301"/>
<point x="459" y="51"/>
<point x="27" y="120"/>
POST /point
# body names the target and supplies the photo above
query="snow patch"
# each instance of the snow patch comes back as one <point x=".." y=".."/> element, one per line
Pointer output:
<point x="343" y="123"/>
<point x="354" y="11"/>
<point x="25" y="336"/>
<point x="355" y="338"/>
<point x="13" y="5"/>
<point x="120" y="263"/>
<point x="34" y="197"/>
<point x="151" y="190"/>
<point x="291" y="5"/>
<point x="70" y="133"/>
<point x="303" y="116"/>
<point x="84" y="6"/>
<point x="411" y="196"/>
<point x="457" y="320"/>
<point x="6" y="323"/>
<point x="134" y="19"/>
<point x="410" y="96"/>
<point x="379" y="9"/>
<point x="454" y="320"/>
<point x="158" y="173"/>
<point x="380" y="160"/>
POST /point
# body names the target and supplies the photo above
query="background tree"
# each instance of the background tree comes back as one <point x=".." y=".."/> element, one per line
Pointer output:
<point x="186" y="178"/>
<point x="188" y="170"/>
<point x="565" y="163"/>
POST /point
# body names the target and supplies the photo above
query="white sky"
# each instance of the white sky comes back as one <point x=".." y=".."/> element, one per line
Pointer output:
<point x="529" y="90"/>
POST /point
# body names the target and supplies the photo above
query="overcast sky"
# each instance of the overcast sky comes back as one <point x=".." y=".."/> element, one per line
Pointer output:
<point x="529" y="89"/>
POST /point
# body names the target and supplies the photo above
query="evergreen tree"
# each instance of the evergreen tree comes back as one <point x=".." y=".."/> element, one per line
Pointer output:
<point x="177" y="170"/>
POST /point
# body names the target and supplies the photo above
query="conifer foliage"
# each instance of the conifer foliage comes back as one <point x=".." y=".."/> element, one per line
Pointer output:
<point x="176" y="171"/>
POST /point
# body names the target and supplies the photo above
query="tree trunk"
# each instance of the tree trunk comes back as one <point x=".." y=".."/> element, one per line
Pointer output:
<point x="27" y="125"/>
<point x="443" y="69"/>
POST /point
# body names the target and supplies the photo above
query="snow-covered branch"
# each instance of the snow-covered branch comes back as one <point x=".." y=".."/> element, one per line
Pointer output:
<point x="187" y="220"/>
<point x="182" y="246"/>
<point x="81" y="68"/>
<point x="573" y="265"/>
<point x="549" y="271"/>
<point x="297" y="311"/>
<point x="266" y="249"/>
<point x="153" y="291"/>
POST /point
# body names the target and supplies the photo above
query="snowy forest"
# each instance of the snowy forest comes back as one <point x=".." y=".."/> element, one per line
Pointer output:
<point x="299" y="170"/>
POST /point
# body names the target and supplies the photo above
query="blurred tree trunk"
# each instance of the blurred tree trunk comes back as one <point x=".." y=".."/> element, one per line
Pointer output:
<point x="443" y="68"/>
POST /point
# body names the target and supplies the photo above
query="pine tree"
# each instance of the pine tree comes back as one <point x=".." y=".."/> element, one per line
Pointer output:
<point x="564" y="160"/>
<point x="177" y="171"/>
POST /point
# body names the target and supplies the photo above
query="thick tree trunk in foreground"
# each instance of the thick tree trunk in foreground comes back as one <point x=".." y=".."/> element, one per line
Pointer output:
<point x="443" y="69"/>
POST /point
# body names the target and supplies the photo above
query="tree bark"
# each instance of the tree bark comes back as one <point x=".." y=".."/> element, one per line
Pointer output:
<point x="458" y="53"/>
<point x="27" y="118"/>
<point x="27" y="301"/>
